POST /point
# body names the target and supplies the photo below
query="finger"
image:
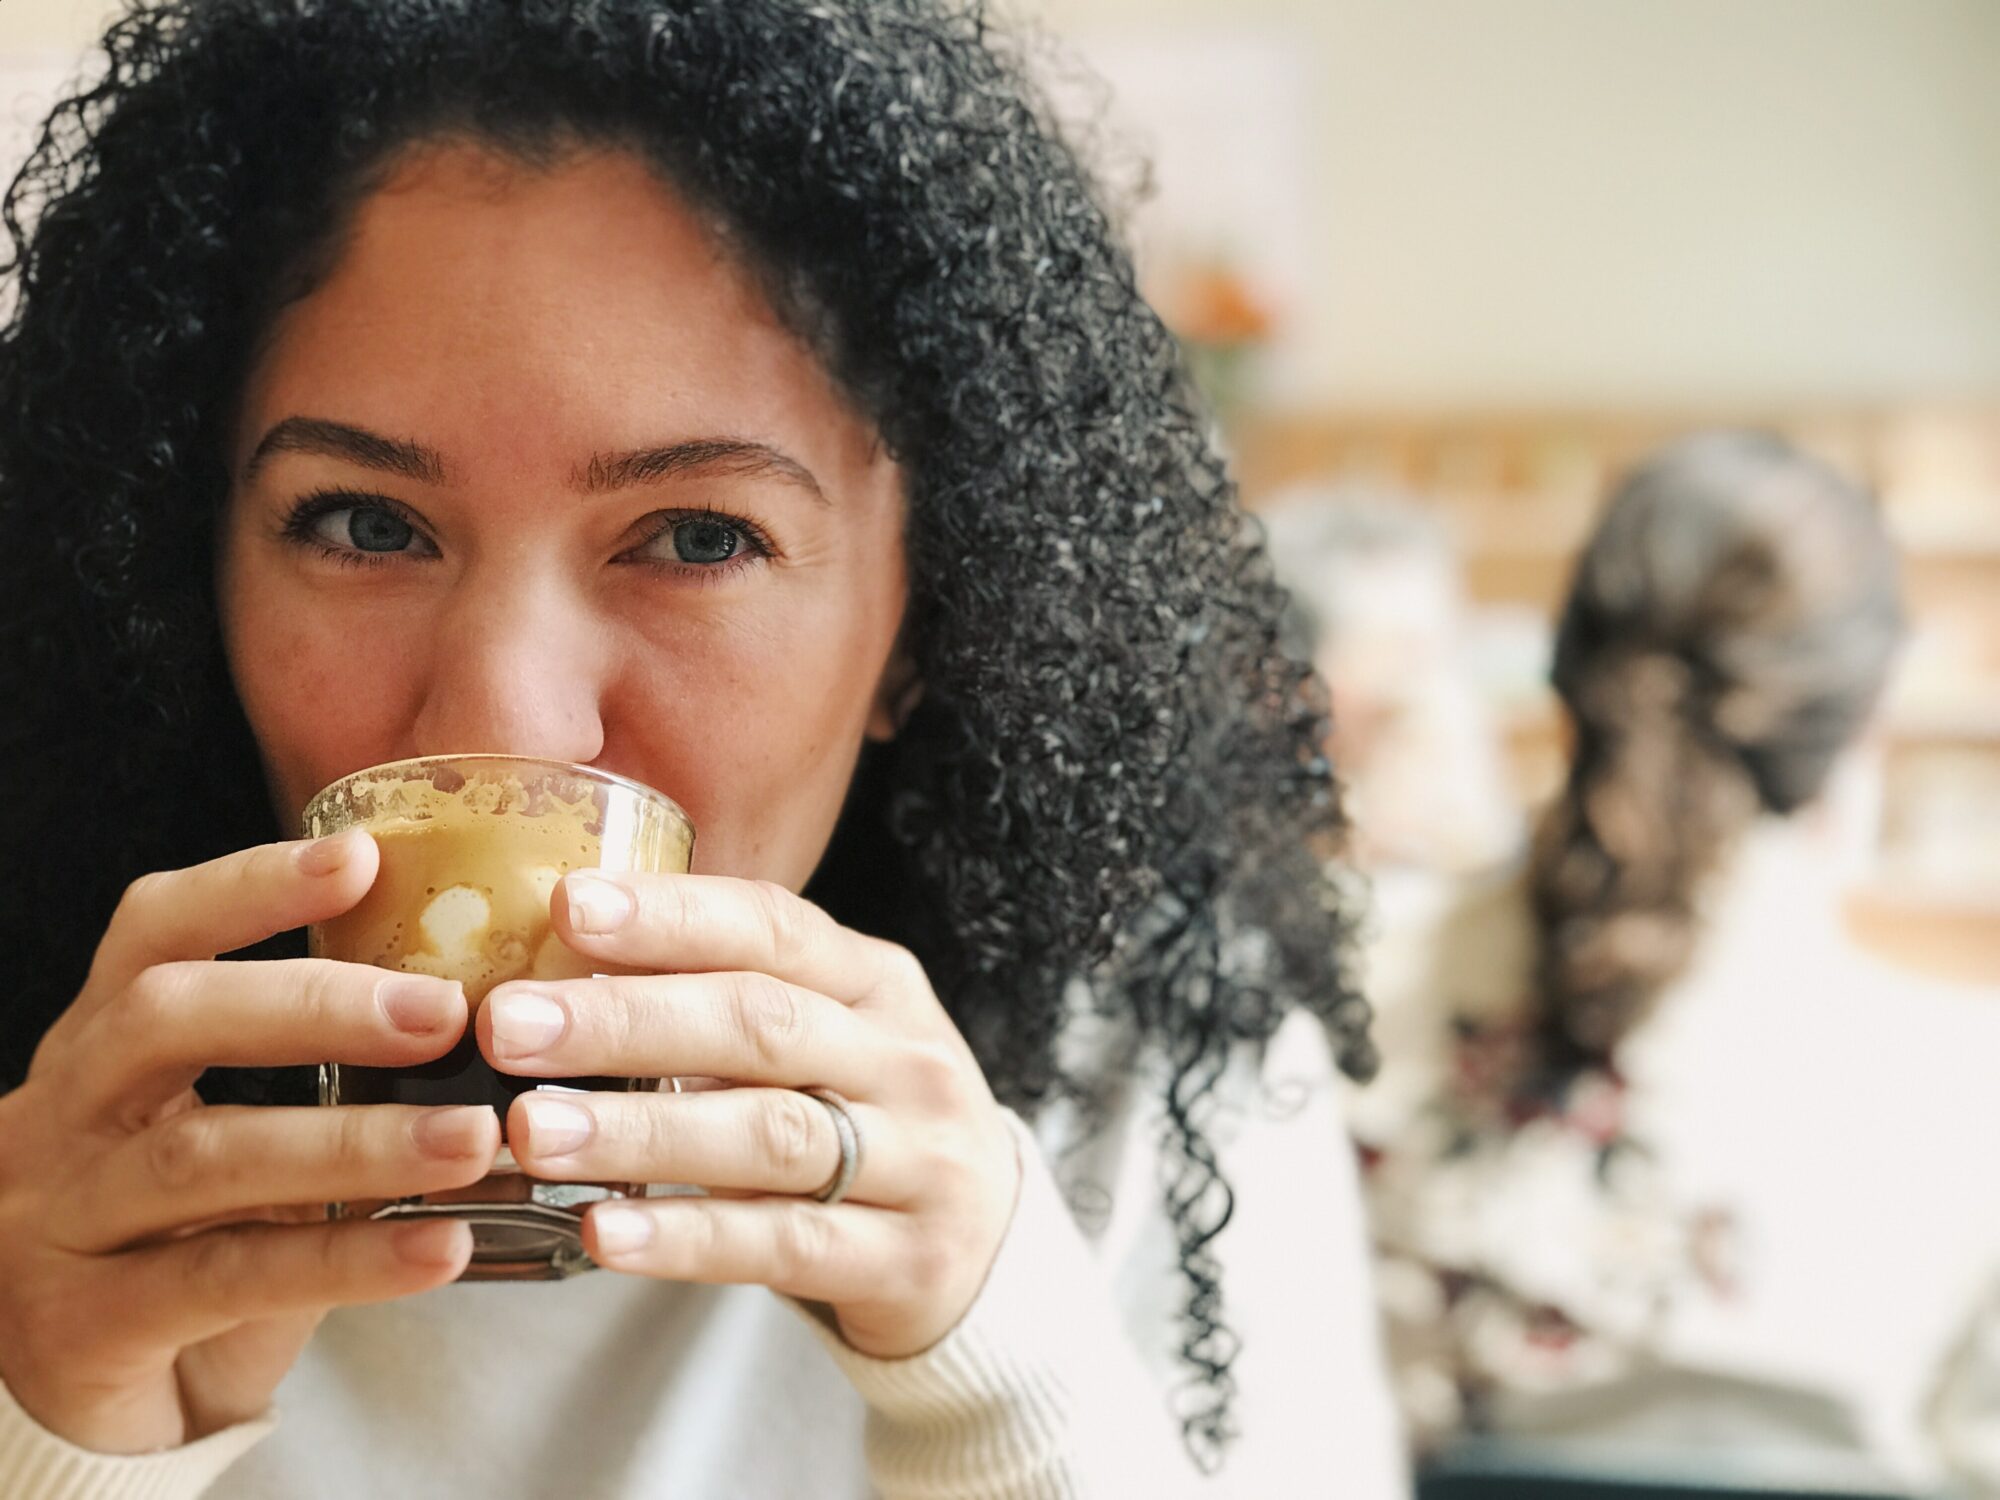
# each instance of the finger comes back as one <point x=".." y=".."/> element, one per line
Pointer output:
<point x="682" y="923"/>
<point x="747" y="1027"/>
<point x="177" y="1019"/>
<point x="746" y="1140"/>
<point x="822" y="1253"/>
<point x="189" y="1290"/>
<point x="230" y="903"/>
<point x="213" y="1163"/>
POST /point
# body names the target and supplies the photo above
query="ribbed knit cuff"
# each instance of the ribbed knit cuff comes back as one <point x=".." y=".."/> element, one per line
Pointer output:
<point x="35" y="1464"/>
<point x="1031" y="1394"/>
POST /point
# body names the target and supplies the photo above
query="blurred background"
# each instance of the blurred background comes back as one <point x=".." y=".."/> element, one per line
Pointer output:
<point x="1486" y="255"/>
<point x="1472" y="259"/>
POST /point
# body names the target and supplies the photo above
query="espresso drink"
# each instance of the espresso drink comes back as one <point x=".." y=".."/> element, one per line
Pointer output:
<point x="472" y="848"/>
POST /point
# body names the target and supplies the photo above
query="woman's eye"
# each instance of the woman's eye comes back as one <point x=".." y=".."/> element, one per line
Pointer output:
<point x="701" y="541"/>
<point x="705" y="541"/>
<point x="365" y="528"/>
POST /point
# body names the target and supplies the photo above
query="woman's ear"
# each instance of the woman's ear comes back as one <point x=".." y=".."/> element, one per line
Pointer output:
<point x="897" y="694"/>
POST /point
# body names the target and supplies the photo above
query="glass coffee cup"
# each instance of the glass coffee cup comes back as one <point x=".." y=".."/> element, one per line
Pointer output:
<point x="472" y="847"/>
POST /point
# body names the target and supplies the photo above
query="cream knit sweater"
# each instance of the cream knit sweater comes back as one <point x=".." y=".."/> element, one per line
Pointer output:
<point x="1058" y="1383"/>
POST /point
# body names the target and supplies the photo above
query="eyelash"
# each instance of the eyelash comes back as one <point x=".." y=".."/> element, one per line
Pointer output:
<point x="757" y="546"/>
<point x="298" y="526"/>
<point x="297" y="529"/>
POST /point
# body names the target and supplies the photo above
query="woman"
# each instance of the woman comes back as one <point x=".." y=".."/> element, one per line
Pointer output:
<point x="1689" y="1167"/>
<point x="749" y="398"/>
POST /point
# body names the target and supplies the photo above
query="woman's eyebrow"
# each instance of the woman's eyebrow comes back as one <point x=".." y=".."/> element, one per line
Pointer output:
<point x="355" y="444"/>
<point x="604" y="473"/>
<point x="698" y="456"/>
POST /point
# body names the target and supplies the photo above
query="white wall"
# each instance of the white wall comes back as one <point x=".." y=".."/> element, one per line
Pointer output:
<point x="1602" y="202"/>
<point x="41" y="43"/>
<point x="67" y="24"/>
<point x="1611" y="202"/>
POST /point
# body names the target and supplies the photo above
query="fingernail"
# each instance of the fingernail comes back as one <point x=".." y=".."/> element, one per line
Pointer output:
<point x="421" y="1006"/>
<point x="556" y="1128"/>
<point x="458" y="1131"/>
<point x="525" y="1023"/>
<point x="324" y="856"/>
<point x="596" y="905"/>
<point x="621" y="1229"/>
<point x="436" y="1243"/>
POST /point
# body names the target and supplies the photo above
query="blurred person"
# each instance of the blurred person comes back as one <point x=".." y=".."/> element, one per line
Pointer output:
<point x="1688" y="1169"/>
<point x="1383" y="609"/>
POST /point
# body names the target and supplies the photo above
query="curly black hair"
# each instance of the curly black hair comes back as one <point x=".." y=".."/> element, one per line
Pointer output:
<point x="1113" y="785"/>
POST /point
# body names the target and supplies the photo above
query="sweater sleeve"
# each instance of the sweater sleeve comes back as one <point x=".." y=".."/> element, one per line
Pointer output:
<point x="1035" y="1395"/>
<point x="35" y="1464"/>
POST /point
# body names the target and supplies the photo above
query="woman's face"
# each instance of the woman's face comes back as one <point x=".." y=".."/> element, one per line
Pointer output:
<point x="536" y="470"/>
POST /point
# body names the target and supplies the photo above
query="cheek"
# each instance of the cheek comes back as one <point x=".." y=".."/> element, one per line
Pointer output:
<point x="757" y="737"/>
<point x="322" y="695"/>
<point x="763" y="717"/>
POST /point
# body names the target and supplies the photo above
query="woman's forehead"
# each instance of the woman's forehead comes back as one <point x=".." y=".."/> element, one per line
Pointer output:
<point x="498" y="303"/>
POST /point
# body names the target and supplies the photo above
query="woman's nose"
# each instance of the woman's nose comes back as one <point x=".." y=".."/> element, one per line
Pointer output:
<point x="518" y="668"/>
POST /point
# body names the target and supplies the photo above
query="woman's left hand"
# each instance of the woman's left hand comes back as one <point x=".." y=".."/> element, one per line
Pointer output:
<point x="746" y="982"/>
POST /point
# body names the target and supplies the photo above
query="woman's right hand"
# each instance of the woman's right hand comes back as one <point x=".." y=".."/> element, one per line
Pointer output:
<point x="163" y="1262"/>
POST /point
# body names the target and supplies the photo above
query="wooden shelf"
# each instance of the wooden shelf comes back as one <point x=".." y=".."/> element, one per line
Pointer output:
<point x="1975" y="728"/>
<point x="1976" y="551"/>
<point x="1538" y="576"/>
<point x="1534" y="578"/>
<point x="1947" y="934"/>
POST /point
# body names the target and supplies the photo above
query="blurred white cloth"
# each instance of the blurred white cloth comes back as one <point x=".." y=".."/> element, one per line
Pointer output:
<point x="1316" y="1413"/>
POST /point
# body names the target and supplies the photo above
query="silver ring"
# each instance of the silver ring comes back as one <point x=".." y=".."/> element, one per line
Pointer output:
<point x="849" y="1132"/>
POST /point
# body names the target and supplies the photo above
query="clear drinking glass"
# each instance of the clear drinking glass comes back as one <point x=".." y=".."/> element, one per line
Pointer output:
<point x="472" y="847"/>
